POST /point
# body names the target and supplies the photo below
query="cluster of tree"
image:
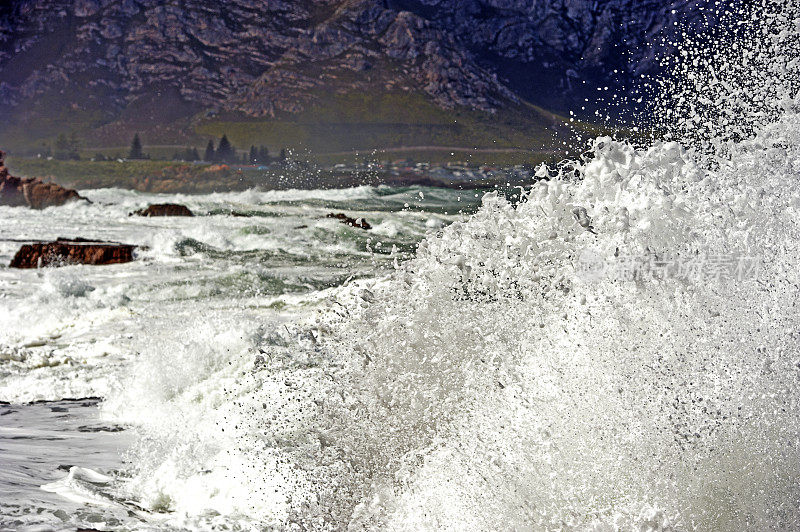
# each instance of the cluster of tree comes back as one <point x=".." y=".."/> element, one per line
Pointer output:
<point x="224" y="153"/>
<point x="66" y="147"/>
<point x="261" y="155"/>
<point x="258" y="155"/>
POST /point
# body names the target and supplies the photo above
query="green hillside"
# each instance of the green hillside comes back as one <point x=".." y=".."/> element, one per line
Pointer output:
<point x="333" y="127"/>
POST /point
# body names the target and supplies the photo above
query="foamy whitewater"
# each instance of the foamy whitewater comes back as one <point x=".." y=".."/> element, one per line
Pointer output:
<point x="157" y="338"/>
<point x="617" y="351"/>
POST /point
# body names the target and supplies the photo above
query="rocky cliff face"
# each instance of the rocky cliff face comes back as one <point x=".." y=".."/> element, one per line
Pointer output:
<point x="560" y="51"/>
<point x="268" y="57"/>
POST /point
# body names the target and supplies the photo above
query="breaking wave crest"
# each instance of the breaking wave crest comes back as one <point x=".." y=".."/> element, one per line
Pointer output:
<point x="618" y="350"/>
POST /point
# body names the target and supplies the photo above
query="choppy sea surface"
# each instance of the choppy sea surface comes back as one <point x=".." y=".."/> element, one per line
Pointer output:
<point x="616" y="349"/>
<point x="205" y="290"/>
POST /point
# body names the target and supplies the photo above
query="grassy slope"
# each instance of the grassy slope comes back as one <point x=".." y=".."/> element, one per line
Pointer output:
<point x="360" y="121"/>
<point x="337" y="128"/>
<point x="152" y="176"/>
<point x="96" y="121"/>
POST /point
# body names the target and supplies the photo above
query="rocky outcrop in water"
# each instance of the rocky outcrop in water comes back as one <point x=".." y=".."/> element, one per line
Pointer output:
<point x="64" y="252"/>
<point x="31" y="192"/>
<point x="164" y="209"/>
<point x="361" y="223"/>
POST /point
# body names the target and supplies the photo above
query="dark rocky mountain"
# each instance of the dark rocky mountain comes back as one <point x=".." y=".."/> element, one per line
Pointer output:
<point x="557" y="53"/>
<point x="103" y="64"/>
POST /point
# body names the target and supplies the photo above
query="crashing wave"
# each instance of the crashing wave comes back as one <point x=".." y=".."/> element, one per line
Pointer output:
<point x="618" y="350"/>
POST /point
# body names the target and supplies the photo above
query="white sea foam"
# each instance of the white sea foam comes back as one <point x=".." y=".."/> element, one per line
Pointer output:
<point x="487" y="383"/>
<point x="490" y="380"/>
<point x="83" y="486"/>
<point x="72" y="331"/>
<point x="488" y="377"/>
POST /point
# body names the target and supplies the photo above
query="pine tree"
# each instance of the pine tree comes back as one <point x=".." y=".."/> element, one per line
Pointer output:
<point x="253" y="154"/>
<point x="74" y="147"/>
<point x="136" y="148"/>
<point x="283" y="154"/>
<point x="210" y="155"/>
<point x="194" y="155"/>
<point x="225" y="152"/>
<point x="263" y="155"/>
<point x="62" y="147"/>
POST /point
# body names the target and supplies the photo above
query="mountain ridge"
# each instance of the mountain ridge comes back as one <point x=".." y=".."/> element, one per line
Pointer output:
<point x="172" y="67"/>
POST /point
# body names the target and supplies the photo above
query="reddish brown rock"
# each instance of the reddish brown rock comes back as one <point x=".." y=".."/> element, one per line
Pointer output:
<point x="164" y="209"/>
<point x="352" y="222"/>
<point x="63" y="252"/>
<point x="31" y="192"/>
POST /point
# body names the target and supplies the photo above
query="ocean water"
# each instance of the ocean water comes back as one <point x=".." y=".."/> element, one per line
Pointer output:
<point x="615" y="350"/>
<point x="204" y="295"/>
<point x="53" y="453"/>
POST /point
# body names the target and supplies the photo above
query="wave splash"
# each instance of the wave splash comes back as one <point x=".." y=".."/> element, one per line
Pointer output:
<point x="491" y="378"/>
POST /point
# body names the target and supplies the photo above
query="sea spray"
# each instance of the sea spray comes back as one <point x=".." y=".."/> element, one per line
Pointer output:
<point x="488" y="378"/>
<point x="196" y="322"/>
<point x="616" y="351"/>
<point x="494" y="377"/>
<point x="724" y="84"/>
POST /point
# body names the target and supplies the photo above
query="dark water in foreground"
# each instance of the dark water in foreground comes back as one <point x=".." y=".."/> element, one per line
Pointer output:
<point x="40" y="444"/>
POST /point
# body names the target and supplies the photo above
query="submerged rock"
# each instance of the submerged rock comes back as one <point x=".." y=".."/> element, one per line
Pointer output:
<point x="352" y="222"/>
<point x="32" y="191"/>
<point x="64" y="252"/>
<point x="164" y="209"/>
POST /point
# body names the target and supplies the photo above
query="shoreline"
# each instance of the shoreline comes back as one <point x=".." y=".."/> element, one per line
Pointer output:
<point x="190" y="178"/>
